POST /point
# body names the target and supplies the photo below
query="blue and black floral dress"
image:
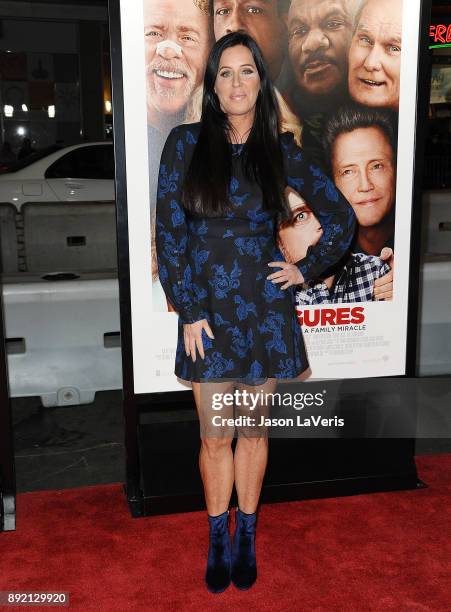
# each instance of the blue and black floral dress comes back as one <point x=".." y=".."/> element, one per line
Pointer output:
<point x="216" y="267"/>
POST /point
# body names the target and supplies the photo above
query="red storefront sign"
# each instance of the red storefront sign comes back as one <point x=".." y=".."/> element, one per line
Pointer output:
<point x="440" y="33"/>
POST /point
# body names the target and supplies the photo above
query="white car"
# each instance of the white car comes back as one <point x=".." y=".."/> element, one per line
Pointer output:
<point x="78" y="173"/>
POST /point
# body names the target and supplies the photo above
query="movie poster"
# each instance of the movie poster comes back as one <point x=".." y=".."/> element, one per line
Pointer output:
<point x="345" y="73"/>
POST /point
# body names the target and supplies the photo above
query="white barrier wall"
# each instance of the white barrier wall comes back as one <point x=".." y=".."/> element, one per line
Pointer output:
<point x="436" y="226"/>
<point x="8" y="239"/>
<point x="62" y="340"/>
<point x="434" y="354"/>
<point x="434" y="343"/>
<point x="70" y="236"/>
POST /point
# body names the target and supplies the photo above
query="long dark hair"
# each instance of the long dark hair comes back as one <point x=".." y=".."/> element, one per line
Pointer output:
<point x="206" y="186"/>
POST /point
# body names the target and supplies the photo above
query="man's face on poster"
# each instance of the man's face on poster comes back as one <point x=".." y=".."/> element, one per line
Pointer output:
<point x="258" y="18"/>
<point x="363" y="169"/>
<point x="177" y="43"/>
<point x="302" y="231"/>
<point x="319" y="34"/>
<point x="375" y="55"/>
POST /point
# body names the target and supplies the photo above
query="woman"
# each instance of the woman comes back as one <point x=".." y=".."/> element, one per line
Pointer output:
<point x="289" y="122"/>
<point x="220" y="198"/>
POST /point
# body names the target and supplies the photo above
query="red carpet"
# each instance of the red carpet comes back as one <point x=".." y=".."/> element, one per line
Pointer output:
<point x="385" y="551"/>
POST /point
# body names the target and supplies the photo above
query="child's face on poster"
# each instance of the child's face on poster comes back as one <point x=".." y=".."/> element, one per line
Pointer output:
<point x="258" y="18"/>
<point x="319" y="33"/>
<point x="375" y="55"/>
<point x="177" y="43"/>
<point x="363" y="169"/>
<point x="302" y="231"/>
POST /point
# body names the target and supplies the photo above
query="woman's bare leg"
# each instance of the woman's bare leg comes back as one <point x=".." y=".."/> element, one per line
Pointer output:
<point x="251" y="455"/>
<point x="215" y="457"/>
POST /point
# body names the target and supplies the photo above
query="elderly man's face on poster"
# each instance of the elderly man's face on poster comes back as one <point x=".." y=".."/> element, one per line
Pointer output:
<point x="375" y="54"/>
<point x="177" y="42"/>
<point x="319" y="34"/>
<point x="261" y="19"/>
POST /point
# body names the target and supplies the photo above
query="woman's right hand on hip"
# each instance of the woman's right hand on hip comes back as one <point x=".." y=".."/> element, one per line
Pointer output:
<point x="192" y="336"/>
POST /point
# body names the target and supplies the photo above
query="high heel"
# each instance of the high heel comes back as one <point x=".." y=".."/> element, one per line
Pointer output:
<point x="244" y="564"/>
<point x="218" y="571"/>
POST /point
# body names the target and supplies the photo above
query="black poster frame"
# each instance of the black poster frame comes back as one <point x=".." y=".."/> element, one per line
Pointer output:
<point x="137" y="405"/>
<point x="7" y="464"/>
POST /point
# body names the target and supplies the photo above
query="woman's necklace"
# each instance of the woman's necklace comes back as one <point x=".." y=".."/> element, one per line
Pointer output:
<point x="233" y="134"/>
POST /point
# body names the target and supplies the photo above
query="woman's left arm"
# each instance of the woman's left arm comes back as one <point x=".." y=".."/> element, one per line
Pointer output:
<point x="330" y="207"/>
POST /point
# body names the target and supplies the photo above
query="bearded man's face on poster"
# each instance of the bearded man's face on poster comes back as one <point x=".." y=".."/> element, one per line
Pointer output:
<point x="319" y="33"/>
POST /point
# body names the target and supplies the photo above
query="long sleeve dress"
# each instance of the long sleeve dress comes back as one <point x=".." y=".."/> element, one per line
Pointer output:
<point x="215" y="268"/>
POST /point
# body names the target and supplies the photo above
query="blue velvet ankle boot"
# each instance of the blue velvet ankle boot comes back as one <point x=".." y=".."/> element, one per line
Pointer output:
<point x="244" y="565"/>
<point x="217" y="575"/>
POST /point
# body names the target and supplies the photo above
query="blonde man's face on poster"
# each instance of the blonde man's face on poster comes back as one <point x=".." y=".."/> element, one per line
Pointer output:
<point x="177" y="42"/>
<point x="302" y="231"/>
<point x="375" y="55"/>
